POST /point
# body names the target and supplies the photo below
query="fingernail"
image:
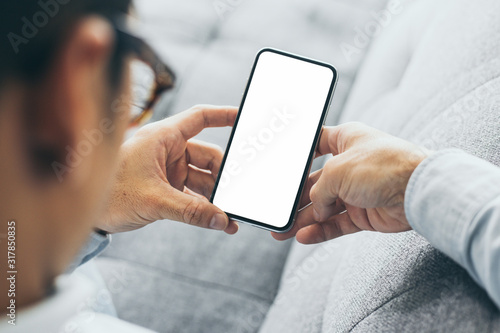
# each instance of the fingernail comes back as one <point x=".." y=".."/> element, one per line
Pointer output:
<point x="316" y="215"/>
<point x="218" y="222"/>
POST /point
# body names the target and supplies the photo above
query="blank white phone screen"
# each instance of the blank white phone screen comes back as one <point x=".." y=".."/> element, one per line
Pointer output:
<point x="273" y="139"/>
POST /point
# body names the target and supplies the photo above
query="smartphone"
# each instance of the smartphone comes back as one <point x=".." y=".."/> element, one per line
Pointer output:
<point x="274" y="138"/>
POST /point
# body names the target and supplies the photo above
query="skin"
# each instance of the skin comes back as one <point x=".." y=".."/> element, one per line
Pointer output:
<point x="164" y="174"/>
<point x="158" y="174"/>
<point x="362" y="187"/>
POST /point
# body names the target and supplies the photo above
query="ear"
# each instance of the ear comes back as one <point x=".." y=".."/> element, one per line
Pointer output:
<point x="71" y="100"/>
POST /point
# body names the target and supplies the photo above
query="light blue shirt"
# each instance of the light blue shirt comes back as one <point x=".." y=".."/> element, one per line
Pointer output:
<point x="453" y="200"/>
<point x="72" y="305"/>
<point x="96" y="243"/>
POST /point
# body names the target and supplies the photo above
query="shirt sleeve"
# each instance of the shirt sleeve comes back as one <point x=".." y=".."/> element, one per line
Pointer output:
<point x="453" y="200"/>
<point x="94" y="246"/>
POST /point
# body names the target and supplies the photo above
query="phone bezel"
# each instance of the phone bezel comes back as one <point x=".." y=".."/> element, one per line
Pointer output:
<point x="307" y="169"/>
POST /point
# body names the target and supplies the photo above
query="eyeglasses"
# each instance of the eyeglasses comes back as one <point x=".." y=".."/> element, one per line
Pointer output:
<point x="150" y="77"/>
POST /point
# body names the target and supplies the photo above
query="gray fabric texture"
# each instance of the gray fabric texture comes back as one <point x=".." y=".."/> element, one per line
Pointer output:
<point x="431" y="77"/>
<point x="178" y="278"/>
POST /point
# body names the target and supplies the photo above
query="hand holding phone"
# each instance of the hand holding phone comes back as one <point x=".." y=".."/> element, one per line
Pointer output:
<point x="272" y="144"/>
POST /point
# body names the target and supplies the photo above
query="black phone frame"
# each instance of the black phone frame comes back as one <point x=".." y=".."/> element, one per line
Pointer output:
<point x="307" y="169"/>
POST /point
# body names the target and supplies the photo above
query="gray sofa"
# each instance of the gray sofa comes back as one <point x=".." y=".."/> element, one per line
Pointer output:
<point x="432" y="76"/>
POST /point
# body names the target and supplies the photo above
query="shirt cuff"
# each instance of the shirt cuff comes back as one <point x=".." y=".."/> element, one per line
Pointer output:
<point x="94" y="246"/>
<point x="443" y="197"/>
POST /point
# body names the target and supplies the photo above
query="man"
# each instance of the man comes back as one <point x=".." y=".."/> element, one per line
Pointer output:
<point x="64" y="108"/>
<point x="381" y="183"/>
<point x="60" y="136"/>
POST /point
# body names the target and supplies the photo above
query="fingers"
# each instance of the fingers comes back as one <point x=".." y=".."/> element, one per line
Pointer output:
<point x="194" y="120"/>
<point x="201" y="157"/>
<point x="337" y="226"/>
<point x="313" y="178"/>
<point x="328" y="142"/>
<point x="359" y="217"/>
<point x="200" y="181"/>
<point x="193" y="193"/>
<point x="324" y="193"/>
<point x="205" y="156"/>
<point x="182" y="207"/>
<point x="304" y="218"/>
<point x="337" y="139"/>
<point x="180" y="171"/>
<point x="232" y="228"/>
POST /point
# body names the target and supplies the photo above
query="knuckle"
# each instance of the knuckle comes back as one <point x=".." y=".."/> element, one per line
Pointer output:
<point x="198" y="108"/>
<point x="353" y="125"/>
<point x="315" y="195"/>
<point x="193" y="212"/>
<point x="347" y="127"/>
<point x="358" y="218"/>
<point x="312" y="193"/>
<point x="352" y="128"/>
<point x="329" y="168"/>
<point x="345" y="130"/>
<point x="328" y="184"/>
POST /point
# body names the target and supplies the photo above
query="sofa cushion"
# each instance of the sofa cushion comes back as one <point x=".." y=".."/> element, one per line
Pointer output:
<point x="171" y="277"/>
<point x="432" y="77"/>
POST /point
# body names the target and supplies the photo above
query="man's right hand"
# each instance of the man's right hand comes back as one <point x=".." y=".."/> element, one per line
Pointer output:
<point x="362" y="187"/>
<point x="165" y="174"/>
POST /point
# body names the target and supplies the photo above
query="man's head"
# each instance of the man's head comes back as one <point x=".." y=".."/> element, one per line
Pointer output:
<point x="62" y="79"/>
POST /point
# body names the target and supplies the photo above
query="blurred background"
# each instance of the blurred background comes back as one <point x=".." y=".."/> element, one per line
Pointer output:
<point x="211" y="44"/>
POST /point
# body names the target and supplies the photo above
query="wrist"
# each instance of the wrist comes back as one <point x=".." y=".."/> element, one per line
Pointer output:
<point x="417" y="156"/>
<point x="410" y="163"/>
<point x="105" y="225"/>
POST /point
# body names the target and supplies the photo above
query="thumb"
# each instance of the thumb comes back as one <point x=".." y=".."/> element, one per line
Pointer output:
<point x="182" y="207"/>
<point x="324" y="193"/>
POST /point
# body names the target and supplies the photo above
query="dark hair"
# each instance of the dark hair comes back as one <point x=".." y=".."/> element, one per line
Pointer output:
<point x="32" y="30"/>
